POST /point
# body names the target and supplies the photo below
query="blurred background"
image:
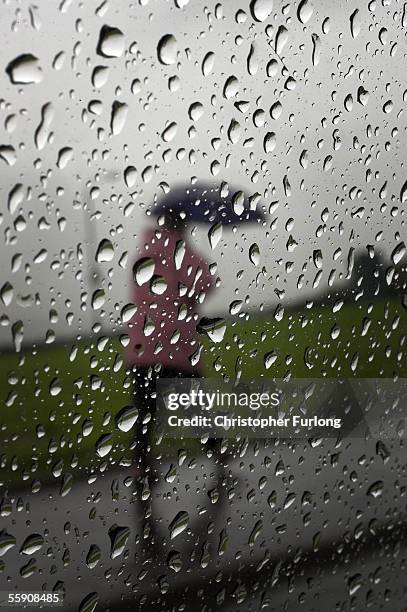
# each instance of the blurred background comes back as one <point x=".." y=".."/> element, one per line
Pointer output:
<point x="293" y="110"/>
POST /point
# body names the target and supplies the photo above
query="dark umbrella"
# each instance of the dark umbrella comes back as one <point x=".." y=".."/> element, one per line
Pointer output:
<point x="206" y="203"/>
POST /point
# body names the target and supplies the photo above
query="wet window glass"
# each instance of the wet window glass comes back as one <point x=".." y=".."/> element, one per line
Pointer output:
<point x="203" y="304"/>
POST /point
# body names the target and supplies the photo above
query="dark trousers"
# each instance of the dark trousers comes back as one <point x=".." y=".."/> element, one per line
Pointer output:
<point x="145" y="401"/>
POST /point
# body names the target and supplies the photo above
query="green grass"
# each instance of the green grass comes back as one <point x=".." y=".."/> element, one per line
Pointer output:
<point x="40" y="430"/>
<point x="304" y="347"/>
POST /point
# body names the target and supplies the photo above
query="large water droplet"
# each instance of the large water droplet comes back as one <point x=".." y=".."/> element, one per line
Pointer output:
<point x="261" y="9"/>
<point x="269" y="142"/>
<point x="215" y="234"/>
<point x="208" y="63"/>
<point x="111" y="42"/>
<point x="214" y="328"/>
<point x="43" y="130"/>
<point x="316" y="49"/>
<point x="398" y="253"/>
<point x="174" y="561"/>
<point x="126" y="418"/>
<point x="104" y="445"/>
<point x="179" y="253"/>
<point x="24" y="70"/>
<point x="355" y="23"/>
<point x="178" y="524"/>
<point x="167" y="49"/>
<point x="254" y="254"/>
<point x="6" y="294"/>
<point x="105" y="251"/>
<point x="15" y="198"/>
<point x="376" y="489"/>
<point x="31" y="544"/>
<point x="304" y="11"/>
<point x="281" y="39"/>
<point x="100" y="76"/>
<point x="195" y="111"/>
<point x="17" y="332"/>
<point x="255" y="533"/>
<point x="118" y="117"/>
<point x="269" y="359"/>
<point x="231" y="87"/>
<point x="118" y="540"/>
<point x="89" y="603"/>
<point x="64" y="157"/>
<point x="362" y="96"/>
<point x="93" y="557"/>
<point x="169" y="132"/>
<point x="7" y="541"/>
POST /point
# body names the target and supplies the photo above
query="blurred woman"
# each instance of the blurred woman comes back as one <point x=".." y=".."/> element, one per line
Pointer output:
<point x="171" y="281"/>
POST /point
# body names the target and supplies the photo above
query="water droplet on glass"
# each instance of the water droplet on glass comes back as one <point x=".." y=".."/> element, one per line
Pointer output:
<point x="64" y="157"/>
<point x="304" y="11"/>
<point x="195" y="111"/>
<point x="269" y="142"/>
<point x="208" y="63"/>
<point x="169" y="132"/>
<point x="362" y="96"/>
<point x="376" y="489"/>
<point x="231" y="87"/>
<point x="178" y="524"/>
<point x="214" y="328"/>
<point x="167" y="50"/>
<point x="93" y="557"/>
<point x="89" y="603"/>
<point x="174" y="561"/>
<point x="24" y="70"/>
<point x="215" y="234"/>
<point x="43" y="130"/>
<point x="105" y="251"/>
<point x="126" y="418"/>
<point x="31" y="544"/>
<point x="355" y="23"/>
<point x="398" y="253"/>
<point x="316" y="49"/>
<point x="15" y="198"/>
<point x="261" y="9"/>
<point x="6" y="294"/>
<point x="255" y="533"/>
<point x="281" y="39"/>
<point x="254" y="254"/>
<point x="7" y="541"/>
<point x="111" y="42"/>
<point x="104" y="445"/>
<point x="118" y="540"/>
<point x="118" y="117"/>
<point x="269" y="359"/>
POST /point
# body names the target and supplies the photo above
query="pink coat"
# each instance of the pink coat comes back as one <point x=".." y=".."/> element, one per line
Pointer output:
<point x="163" y="330"/>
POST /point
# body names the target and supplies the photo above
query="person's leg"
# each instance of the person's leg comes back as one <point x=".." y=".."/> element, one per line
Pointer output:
<point x="144" y="401"/>
<point x="145" y="379"/>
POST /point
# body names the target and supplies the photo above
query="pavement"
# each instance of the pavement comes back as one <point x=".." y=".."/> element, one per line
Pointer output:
<point x="292" y="526"/>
